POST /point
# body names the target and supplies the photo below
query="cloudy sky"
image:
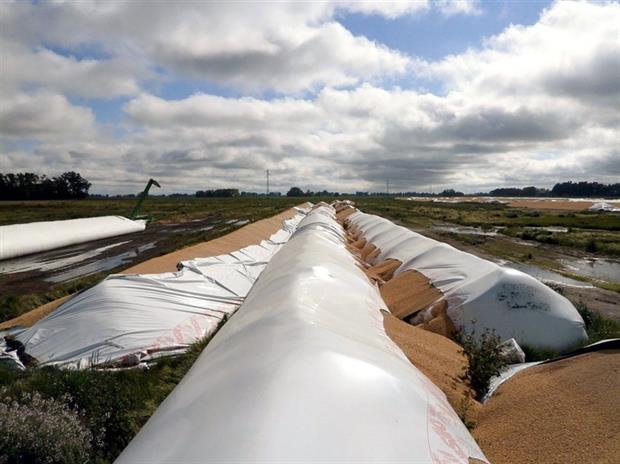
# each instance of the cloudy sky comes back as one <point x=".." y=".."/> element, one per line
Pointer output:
<point x="341" y="96"/>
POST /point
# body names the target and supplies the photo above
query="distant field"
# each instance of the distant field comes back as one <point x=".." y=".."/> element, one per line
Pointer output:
<point x="162" y="209"/>
<point x="593" y="232"/>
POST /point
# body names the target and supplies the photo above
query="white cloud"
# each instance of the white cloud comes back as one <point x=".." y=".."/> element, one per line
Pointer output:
<point x="533" y="105"/>
<point x="456" y="7"/>
<point x="387" y="8"/>
<point x="286" y="47"/>
<point x="44" y="117"/>
<point x="41" y="67"/>
<point x="571" y="52"/>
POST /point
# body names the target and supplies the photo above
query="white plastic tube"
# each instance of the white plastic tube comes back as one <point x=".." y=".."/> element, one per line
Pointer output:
<point x="304" y="372"/>
<point x="34" y="237"/>
<point x="480" y="294"/>
<point x="129" y="319"/>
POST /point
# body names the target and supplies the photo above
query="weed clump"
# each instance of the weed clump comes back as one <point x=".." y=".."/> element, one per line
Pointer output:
<point x="464" y="412"/>
<point x="591" y="246"/>
<point x="598" y="327"/>
<point x="485" y="359"/>
<point x="42" y="431"/>
<point x="110" y="406"/>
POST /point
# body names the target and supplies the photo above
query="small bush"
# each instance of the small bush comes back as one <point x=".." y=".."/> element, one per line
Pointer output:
<point x="591" y="246"/>
<point x="464" y="412"/>
<point x="538" y="354"/>
<point x="485" y="359"/>
<point x="598" y="327"/>
<point x="37" y="430"/>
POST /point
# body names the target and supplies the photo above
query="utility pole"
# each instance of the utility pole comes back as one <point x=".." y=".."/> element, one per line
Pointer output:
<point x="267" y="172"/>
<point x="387" y="185"/>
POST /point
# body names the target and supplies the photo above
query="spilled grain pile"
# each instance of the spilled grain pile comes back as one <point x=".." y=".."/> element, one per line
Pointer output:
<point x="561" y="412"/>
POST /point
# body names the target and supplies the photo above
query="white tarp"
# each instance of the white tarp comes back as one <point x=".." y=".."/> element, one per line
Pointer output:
<point x="507" y="373"/>
<point x="34" y="237"/>
<point x="304" y="372"/>
<point x="603" y="206"/>
<point x="8" y="357"/>
<point x="128" y="319"/>
<point x="480" y="294"/>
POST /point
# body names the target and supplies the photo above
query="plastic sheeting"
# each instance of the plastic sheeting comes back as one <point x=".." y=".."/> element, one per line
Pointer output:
<point x="8" y="357"/>
<point x="304" y="372"/>
<point x="480" y="294"/>
<point x="506" y="374"/>
<point x="512" y="369"/>
<point x="603" y="206"/>
<point x="34" y="237"/>
<point x="129" y="319"/>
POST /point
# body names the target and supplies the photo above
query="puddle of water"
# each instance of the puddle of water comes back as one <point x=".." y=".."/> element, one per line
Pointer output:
<point x="544" y="275"/>
<point x="596" y="268"/>
<point x="52" y="261"/>
<point x="101" y="265"/>
<point x="466" y="230"/>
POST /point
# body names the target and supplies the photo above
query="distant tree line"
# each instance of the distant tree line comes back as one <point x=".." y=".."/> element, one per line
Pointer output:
<point x="217" y="193"/>
<point x="563" y="189"/>
<point x="520" y="192"/>
<point x="297" y="192"/>
<point x="29" y="186"/>
<point x="585" y="189"/>
<point x="451" y="193"/>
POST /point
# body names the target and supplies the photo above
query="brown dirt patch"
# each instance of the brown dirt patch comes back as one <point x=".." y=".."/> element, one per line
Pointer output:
<point x="563" y="412"/>
<point x="439" y="358"/>
<point x="563" y="205"/>
<point x="408" y="293"/>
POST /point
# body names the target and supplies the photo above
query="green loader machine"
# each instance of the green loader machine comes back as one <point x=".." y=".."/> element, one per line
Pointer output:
<point x="136" y="209"/>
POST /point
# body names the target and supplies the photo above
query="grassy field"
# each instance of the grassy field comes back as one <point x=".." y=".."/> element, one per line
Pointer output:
<point x="160" y="208"/>
<point x="588" y="231"/>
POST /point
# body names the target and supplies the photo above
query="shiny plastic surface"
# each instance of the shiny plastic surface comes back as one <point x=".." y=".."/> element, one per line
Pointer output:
<point x="480" y="294"/>
<point x="129" y="319"/>
<point x="304" y="372"/>
<point x="24" y="239"/>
